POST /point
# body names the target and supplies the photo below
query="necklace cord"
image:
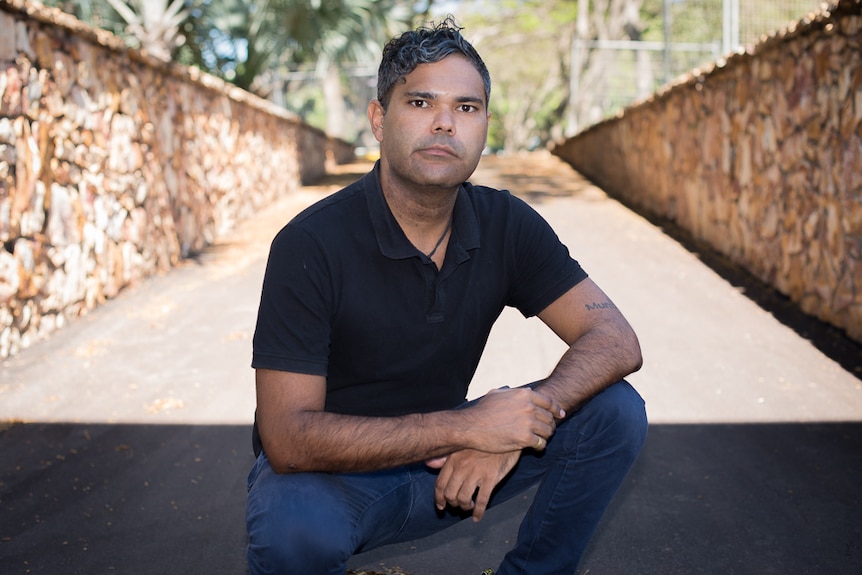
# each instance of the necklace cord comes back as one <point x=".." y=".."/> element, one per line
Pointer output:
<point x="440" y="241"/>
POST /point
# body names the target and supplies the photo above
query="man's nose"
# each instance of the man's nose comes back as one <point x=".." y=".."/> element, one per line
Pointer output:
<point x="444" y="122"/>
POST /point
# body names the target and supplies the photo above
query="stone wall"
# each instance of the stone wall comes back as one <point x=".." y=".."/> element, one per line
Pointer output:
<point x="760" y="155"/>
<point x="115" y="166"/>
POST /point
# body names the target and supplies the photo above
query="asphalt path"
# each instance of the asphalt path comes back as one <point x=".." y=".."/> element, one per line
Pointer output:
<point x="125" y="438"/>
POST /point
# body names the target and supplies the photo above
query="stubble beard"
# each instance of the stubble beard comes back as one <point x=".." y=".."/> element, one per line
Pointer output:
<point x="444" y="175"/>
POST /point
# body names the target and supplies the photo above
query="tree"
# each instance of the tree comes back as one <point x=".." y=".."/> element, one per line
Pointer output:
<point x="349" y="31"/>
<point x="524" y="45"/>
<point x="151" y="25"/>
<point x="256" y="44"/>
<point x="155" y="24"/>
<point x="528" y="45"/>
<point x="233" y="39"/>
<point x="594" y="69"/>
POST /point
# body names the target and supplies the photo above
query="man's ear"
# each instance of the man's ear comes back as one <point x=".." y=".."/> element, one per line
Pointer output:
<point x="375" y="118"/>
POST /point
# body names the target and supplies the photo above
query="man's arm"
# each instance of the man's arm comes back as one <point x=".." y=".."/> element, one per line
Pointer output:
<point x="297" y="435"/>
<point x="603" y="347"/>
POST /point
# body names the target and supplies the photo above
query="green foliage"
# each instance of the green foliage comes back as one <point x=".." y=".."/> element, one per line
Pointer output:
<point x="97" y="13"/>
<point x="691" y="20"/>
<point x="259" y="45"/>
<point x="307" y="101"/>
<point x="228" y="38"/>
<point x="245" y="41"/>
<point x="525" y="44"/>
<point x="242" y="41"/>
<point x="152" y="25"/>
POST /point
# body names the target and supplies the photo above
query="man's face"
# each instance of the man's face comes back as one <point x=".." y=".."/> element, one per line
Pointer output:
<point x="436" y="124"/>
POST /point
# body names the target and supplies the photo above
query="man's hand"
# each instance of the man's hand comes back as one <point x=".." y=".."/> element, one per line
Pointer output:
<point x="508" y="420"/>
<point x="467" y="478"/>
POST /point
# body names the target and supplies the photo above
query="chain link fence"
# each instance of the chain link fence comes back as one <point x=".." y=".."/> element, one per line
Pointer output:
<point x="693" y="33"/>
<point x="757" y="18"/>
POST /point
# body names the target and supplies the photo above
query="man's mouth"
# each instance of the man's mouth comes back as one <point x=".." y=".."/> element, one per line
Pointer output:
<point x="440" y="151"/>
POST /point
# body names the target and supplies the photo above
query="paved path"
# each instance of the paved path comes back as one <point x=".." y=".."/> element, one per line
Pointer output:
<point x="134" y="445"/>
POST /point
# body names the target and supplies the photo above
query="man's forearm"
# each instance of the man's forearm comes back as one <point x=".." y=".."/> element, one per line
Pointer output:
<point x="330" y="442"/>
<point x="500" y="422"/>
<point x="598" y="359"/>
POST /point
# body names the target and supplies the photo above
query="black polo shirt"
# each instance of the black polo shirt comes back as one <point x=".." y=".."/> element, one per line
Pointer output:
<point x="347" y="296"/>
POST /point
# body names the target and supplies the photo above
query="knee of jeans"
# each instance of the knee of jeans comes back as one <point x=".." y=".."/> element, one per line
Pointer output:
<point x="298" y="545"/>
<point x="294" y="534"/>
<point x="618" y="414"/>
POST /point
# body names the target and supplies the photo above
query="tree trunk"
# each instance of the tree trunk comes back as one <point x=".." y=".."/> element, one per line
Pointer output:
<point x="336" y="110"/>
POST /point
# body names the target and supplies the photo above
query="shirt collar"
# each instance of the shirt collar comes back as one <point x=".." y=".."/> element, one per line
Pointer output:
<point x="390" y="237"/>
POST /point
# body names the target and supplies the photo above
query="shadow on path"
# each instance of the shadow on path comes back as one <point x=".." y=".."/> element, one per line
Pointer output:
<point x="144" y="499"/>
<point x="126" y="499"/>
<point x="733" y="499"/>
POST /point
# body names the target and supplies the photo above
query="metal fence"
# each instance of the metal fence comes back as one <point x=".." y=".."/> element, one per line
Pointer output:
<point x="694" y="33"/>
<point x="756" y="18"/>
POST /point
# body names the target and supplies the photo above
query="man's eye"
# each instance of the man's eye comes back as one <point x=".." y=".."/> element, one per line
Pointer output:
<point x="467" y="108"/>
<point x="419" y="103"/>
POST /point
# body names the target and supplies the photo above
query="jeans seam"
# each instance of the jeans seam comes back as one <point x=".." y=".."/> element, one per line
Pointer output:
<point x="528" y="556"/>
<point x="361" y="516"/>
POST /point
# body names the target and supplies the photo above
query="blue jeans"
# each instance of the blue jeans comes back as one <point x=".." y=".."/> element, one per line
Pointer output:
<point x="314" y="522"/>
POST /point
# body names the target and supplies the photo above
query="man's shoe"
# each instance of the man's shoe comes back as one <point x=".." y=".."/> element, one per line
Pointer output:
<point x="488" y="572"/>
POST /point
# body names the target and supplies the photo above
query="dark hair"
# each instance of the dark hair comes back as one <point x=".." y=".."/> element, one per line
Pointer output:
<point x="425" y="45"/>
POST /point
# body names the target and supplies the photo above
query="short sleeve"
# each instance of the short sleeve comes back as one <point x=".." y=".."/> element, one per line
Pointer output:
<point x="293" y="327"/>
<point x="544" y="268"/>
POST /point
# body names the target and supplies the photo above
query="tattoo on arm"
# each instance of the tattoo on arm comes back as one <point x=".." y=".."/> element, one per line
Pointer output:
<point x="602" y="305"/>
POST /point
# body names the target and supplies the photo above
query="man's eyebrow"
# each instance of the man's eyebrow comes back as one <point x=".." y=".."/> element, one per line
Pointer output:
<point x="421" y="95"/>
<point x="434" y="96"/>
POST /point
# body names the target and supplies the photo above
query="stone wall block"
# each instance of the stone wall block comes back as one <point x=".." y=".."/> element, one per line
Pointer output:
<point x="22" y="40"/>
<point x="848" y="123"/>
<point x="851" y="160"/>
<point x="824" y="180"/>
<point x="9" y="279"/>
<point x="84" y="65"/>
<point x="31" y="94"/>
<point x="44" y="44"/>
<point x="8" y="45"/>
<point x="8" y="155"/>
<point x="825" y="64"/>
<point x="10" y="92"/>
<point x="9" y="130"/>
<point x="24" y="252"/>
<point x="851" y="27"/>
<point x="51" y="104"/>
<point x="62" y="225"/>
<point x="845" y="295"/>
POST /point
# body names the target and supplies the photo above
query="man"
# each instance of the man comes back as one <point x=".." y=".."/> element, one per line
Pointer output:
<point x="375" y="308"/>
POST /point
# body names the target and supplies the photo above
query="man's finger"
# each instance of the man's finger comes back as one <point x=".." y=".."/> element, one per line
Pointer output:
<point x="437" y="462"/>
<point x="440" y="487"/>
<point x="459" y="491"/>
<point x="483" y="497"/>
<point x="550" y="405"/>
<point x="464" y="497"/>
